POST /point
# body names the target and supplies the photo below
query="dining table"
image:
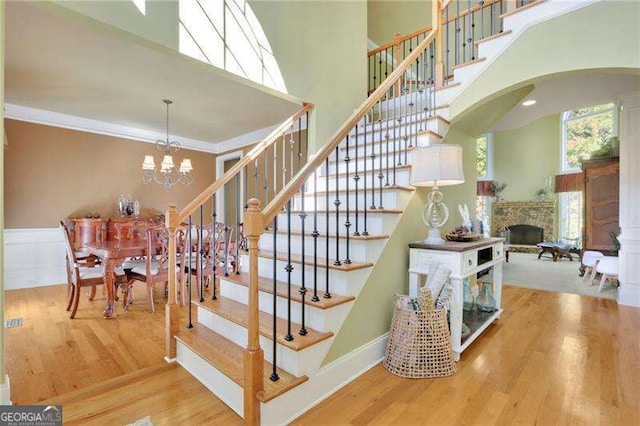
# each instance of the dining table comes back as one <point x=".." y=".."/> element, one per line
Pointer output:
<point x="112" y="253"/>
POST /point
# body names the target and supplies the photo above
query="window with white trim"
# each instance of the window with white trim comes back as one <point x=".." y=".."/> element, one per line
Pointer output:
<point x="484" y="167"/>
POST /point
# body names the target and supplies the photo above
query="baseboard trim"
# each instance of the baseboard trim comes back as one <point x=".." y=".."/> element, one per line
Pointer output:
<point x="5" y="392"/>
<point x="327" y="381"/>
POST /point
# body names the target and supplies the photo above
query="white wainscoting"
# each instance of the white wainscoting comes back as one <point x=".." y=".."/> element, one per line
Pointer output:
<point x="33" y="258"/>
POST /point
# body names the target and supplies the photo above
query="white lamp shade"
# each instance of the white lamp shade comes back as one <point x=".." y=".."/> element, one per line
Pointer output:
<point x="185" y="166"/>
<point x="437" y="164"/>
<point x="167" y="163"/>
<point x="148" y="163"/>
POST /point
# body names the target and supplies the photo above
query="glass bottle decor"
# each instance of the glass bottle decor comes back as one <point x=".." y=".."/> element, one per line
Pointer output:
<point x="485" y="300"/>
<point x="467" y="296"/>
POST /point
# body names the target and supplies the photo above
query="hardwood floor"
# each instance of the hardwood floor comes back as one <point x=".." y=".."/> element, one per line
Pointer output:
<point x="552" y="359"/>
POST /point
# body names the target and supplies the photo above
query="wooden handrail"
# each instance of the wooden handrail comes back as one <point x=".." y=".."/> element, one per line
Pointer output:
<point x="399" y="39"/>
<point x="467" y="11"/>
<point x="310" y="167"/>
<point x="244" y="161"/>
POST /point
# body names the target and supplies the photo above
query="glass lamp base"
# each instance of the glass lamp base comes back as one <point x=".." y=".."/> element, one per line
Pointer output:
<point x="433" y="237"/>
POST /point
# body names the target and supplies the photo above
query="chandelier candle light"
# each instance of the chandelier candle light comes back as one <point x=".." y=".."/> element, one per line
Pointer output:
<point x="435" y="166"/>
<point x="167" y="175"/>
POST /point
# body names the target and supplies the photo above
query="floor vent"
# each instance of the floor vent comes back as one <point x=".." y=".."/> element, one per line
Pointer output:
<point x="13" y="322"/>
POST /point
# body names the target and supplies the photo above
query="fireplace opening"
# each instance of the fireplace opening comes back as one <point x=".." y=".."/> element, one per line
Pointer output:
<point x="526" y="234"/>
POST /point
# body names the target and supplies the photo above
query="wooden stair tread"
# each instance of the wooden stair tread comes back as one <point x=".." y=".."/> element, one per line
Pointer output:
<point x="266" y="285"/>
<point x="375" y="170"/>
<point x="491" y="37"/>
<point x="321" y="261"/>
<point x="351" y="211"/>
<point x="239" y="314"/>
<point x="373" y="127"/>
<point x="352" y="237"/>
<point x="384" y="188"/>
<point x="521" y="8"/>
<point x="475" y="61"/>
<point x="228" y="358"/>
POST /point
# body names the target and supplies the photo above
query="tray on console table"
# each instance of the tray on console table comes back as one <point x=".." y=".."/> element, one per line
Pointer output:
<point x="463" y="259"/>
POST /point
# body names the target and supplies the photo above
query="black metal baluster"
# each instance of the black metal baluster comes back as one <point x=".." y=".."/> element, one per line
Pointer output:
<point x="299" y="145"/>
<point x="303" y="288"/>
<point x="364" y="178"/>
<point x="386" y="64"/>
<point x="315" y="235"/>
<point x="457" y="26"/>
<point x="481" y="2"/>
<point x="327" y="294"/>
<point x="236" y="265"/>
<point x="265" y="186"/>
<point x="501" y="21"/>
<point x="492" y="18"/>
<point x="356" y="180"/>
<point x="200" y="265"/>
<point x="347" y="223"/>
<point x="214" y="246"/>
<point x="387" y="136"/>
<point x="472" y="30"/>
<point x="412" y="110"/>
<point x="337" y="203"/>
<point x="373" y="161"/>
<point x="189" y="270"/>
<point x="291" y="151"/>
<point x="447" y="49"/>
<point x="274" y="373"/>
<point x="256" y="178"/>
<point x="380" y="151"/>
<point x="226" y="249"/>
<point x="284" y="162"/>
<point x="289" y="269"/>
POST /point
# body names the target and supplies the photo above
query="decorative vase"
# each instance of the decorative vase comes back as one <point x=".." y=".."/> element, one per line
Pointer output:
<point x="467" y="296"/>
<point x="485" y="301"/>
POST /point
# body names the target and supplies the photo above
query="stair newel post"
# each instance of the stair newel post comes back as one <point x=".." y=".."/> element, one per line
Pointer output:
<point x="172" y="310"/>
<point x="253" y="356"/>
<point x="437" y="19"/>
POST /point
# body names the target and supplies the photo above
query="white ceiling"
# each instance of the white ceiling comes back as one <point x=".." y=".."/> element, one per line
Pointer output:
<point x="85" y="69"/>
<point x="568" y="92"/>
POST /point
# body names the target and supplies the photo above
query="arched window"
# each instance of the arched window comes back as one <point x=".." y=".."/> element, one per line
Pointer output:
<point x="583" y="131"/>
<point x="227" y="34"/>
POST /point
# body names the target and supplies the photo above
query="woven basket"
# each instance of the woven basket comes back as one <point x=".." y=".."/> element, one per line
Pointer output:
<point x="419" y="344"/>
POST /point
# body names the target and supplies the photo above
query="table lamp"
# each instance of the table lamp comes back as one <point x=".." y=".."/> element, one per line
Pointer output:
<point x="435" y="166"/>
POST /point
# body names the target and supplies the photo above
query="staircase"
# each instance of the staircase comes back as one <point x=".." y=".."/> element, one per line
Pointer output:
<point x="264" y="328"/>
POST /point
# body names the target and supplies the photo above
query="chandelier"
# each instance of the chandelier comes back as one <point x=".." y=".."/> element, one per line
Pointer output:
<point x="167" y="175"/>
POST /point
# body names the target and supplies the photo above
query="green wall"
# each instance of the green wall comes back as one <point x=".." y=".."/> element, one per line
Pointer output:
<point x="158" y="24"/>
<point x="372" y="310"/>
<point x="603" y="35"/>
<point x="321" y="50"/>
<point x="386" y="18"/>
<point x="370" y="315"/>
<point x="525" y="157"/>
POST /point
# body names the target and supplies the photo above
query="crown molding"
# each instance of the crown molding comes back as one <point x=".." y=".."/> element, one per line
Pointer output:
<point x="66" y="121"/>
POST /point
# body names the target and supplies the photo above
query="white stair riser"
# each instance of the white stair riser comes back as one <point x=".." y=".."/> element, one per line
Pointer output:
<point x="359" y="250"/>
<point x="468" y="72"/>
<point x="490" y="48"/>
<point x="340" y="282"/>
<point x="377" y="223"/>
<point x="446" y="94"/>
<point x="298" y="363"/>
<point x="432" y="123"/>
<point x="365" y="153"/>
<point x="402" y="177"/>
<point x="391" y="198"/>
<point x="218" y="383"/>
<point x="398" y="158"/>
<point x="315" y="318"/>
<point x="397" y="131"/>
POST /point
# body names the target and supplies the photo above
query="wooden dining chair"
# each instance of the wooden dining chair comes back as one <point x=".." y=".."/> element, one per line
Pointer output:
<point x="83" y="274"/>
<point x="156" y="265"/>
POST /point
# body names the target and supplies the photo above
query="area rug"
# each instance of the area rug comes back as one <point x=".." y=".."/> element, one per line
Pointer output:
<point x="526" y="270"/>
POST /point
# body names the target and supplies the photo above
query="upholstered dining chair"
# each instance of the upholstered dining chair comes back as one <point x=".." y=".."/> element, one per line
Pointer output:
<point x="83" y="275"/>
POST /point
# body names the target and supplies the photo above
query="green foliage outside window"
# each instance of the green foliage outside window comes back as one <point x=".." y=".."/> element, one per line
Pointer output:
<point x="482" y="148"/>
<point x="586" y="135"/>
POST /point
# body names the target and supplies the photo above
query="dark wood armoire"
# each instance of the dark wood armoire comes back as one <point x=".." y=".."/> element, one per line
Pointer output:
<point x="601" y="204"/>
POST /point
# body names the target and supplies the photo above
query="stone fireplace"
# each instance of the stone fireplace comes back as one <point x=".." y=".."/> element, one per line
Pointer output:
<point x="540" y="214"/>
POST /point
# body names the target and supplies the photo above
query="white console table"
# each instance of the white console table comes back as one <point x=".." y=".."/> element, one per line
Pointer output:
<point x="464" y="260"/>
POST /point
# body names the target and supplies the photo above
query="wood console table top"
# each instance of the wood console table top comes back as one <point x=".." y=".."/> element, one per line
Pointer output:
<point x="456" y="246"/>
